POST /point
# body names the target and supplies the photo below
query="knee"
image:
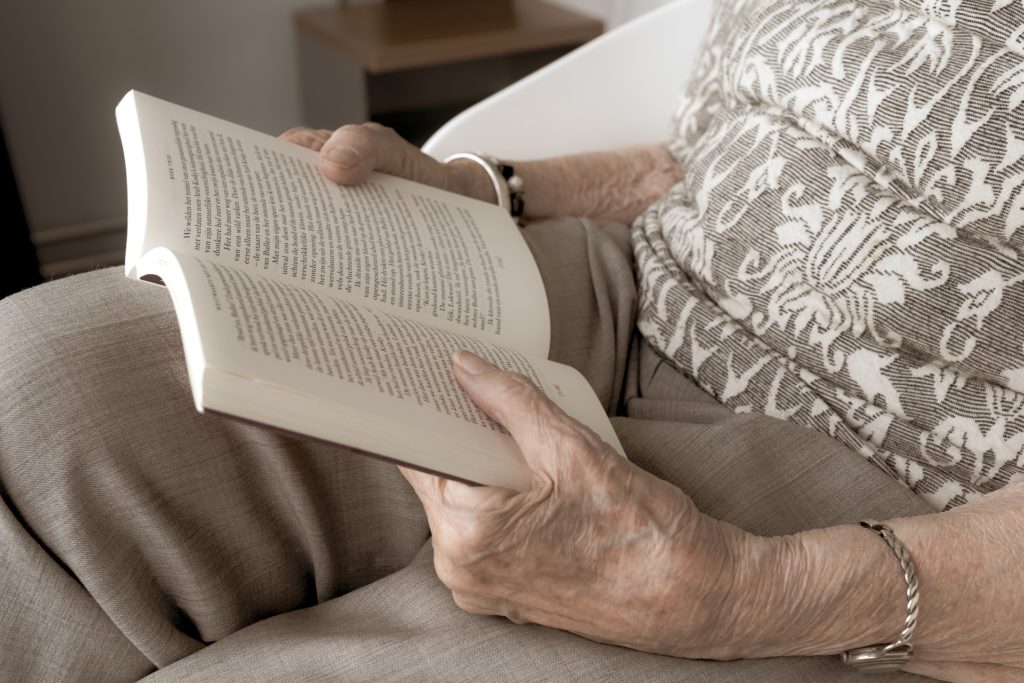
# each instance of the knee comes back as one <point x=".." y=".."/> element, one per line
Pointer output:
<point x="51" y="322"/>
<point x="29" y="334"/>
<point x="69" y="348"/>
<point x="49" y="329"/>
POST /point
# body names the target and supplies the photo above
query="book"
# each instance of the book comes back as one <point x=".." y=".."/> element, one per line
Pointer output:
<point x="330" y="311"/>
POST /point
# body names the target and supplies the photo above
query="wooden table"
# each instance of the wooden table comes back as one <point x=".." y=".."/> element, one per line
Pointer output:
<point x="413" y="64"/>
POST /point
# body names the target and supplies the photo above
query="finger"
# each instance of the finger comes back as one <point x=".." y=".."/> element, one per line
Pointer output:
<point x="304" y="137"/>
<point x="474" y="603"/>
<point x="292" y="133"/>
<point x="437" y="492"/>
<point x="541" y="429"/>
<point x="354" y="151"/>
<point x="471" y="604"/>
<point x="423" y="484"/>
<point x="318" y="138"/>
<point x="348" y="156"/>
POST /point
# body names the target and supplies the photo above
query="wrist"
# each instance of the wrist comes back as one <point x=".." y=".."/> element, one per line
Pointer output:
<point x="760" y="574"/>
<point x="470" y="180"/>
<point x="822" y="592"/>
<point x="720" y="617"/>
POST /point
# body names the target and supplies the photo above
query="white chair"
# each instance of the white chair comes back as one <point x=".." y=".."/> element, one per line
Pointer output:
<point x="616" y="90"/>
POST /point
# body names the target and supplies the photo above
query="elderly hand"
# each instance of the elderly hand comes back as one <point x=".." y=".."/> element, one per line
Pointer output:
<point x="614" y="185"/>
<point x="603" y="549"/>
<point x="349" y="154"/>
<point x="597" y="546"/>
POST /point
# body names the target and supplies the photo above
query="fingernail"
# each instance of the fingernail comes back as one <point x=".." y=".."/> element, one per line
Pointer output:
<point x="470" y="362"/>
<point x="343" y="157"/>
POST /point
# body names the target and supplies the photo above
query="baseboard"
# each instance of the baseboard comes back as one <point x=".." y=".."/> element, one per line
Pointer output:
<point x="74" y="248"/>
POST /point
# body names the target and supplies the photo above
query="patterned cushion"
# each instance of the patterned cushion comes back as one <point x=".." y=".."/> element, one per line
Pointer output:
<point x="846" y="249"/>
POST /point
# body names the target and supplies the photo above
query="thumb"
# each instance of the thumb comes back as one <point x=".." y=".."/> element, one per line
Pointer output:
<point x="354" y="151"/>
<point x="350" y="155"/>
<point x="540" y="428"/>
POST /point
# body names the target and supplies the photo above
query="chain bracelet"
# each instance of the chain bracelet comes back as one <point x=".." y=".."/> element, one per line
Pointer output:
<point x="896" y="655"/>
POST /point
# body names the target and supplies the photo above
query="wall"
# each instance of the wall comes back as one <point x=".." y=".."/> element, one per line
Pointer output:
<point x="64" y="65"/>
<point x="612" y="12"/>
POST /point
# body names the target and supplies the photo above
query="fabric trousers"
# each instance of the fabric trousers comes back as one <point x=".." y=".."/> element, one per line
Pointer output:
<point x="138" y="537"/>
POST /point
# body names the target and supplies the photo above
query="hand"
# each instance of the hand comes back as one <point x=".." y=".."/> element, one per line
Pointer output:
<point x="349" y="154"/>
<point x="614" y="185"/>
<point x="597" y="546"/>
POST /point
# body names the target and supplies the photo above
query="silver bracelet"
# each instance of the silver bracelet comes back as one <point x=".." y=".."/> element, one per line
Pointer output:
<point x="894" y="656"/>
<point x="508" y="187"/>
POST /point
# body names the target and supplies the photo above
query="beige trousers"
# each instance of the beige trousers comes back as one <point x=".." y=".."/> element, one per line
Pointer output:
<point x="138" y="537"/>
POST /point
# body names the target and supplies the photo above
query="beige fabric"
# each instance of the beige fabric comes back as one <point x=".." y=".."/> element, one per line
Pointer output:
<point x="134" y="532"/>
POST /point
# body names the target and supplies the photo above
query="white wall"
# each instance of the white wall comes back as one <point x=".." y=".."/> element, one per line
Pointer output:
<point x="612" y="12"/>
<point x="64" y="64"/>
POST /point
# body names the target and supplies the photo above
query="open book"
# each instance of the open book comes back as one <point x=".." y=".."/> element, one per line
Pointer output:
<point x="330" y="311"/>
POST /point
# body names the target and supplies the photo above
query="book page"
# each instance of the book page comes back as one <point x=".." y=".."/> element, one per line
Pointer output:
<point x="361" y="358"/>
<point x="239" y="197"/>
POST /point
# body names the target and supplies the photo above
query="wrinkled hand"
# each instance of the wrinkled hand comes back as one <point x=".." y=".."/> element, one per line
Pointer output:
<point x="597" y="546"/>
<point x="349" y="154"/>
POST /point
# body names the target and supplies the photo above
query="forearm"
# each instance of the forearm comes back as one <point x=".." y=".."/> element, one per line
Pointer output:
<point x="828" y="590"/>
<point x="614" y="185"/>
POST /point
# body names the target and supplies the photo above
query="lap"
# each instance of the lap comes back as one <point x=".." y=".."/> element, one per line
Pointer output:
<point x="763" y="474"/>
<point x="166" y="530"/>
<point x="182" y="527"/>
<point x="405" y="627"/>
<point x="169" y="529"/>
<point x="587" y="270"/>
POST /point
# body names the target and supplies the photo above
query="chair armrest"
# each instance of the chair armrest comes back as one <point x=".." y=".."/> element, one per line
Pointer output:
<point x="615" y="91"/>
